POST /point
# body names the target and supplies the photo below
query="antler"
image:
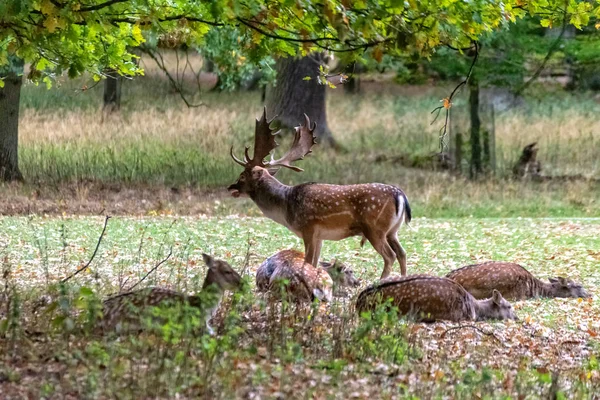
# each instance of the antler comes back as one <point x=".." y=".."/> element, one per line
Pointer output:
<point x="264" y="143"/>
<point x="304" y="140"/>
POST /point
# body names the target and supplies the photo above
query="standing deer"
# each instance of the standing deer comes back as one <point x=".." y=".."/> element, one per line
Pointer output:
<point x="513" y="281"/>
<point x="341" y="275"/>
<point x="428" y="298"/>
<point x="316" y="211"/>
<point x="125" y="311"/>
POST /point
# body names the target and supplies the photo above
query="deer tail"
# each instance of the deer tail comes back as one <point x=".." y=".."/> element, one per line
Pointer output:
<point x="406" y="210"/>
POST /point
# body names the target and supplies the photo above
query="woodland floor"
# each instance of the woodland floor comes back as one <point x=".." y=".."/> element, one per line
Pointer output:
<point x="551" y="351"/>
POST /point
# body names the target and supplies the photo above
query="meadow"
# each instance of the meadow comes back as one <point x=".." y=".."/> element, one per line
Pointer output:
<point x="161" y="169"/>
<point x="82" y="161"/>
<point x="267" y="352"/>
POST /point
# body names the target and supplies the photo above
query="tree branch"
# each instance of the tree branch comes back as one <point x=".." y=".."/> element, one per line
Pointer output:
<point x="551" y="51"/>
<point x="93" y="255"/>
<point x="178" y="88"/>
<point x="153" y="269"/>
<point x="448" y="103"/>
<point x="443" y="335"/>
<point x="101" y="5"/>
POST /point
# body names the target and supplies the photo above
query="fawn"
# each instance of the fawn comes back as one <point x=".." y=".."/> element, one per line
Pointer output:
<point x="427" y="298"/>
<point x="513" y="281"/>
<point x="123" y="312"/>
<point x="341" y="275"/>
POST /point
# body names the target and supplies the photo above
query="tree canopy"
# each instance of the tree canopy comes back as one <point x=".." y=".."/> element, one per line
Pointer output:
<point x="95" y="35"/>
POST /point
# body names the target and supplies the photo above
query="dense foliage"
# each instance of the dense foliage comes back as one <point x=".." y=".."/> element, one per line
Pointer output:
<point x="73" y="36"/>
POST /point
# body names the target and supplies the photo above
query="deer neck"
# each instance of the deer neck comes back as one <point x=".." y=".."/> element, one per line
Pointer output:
<point x="271" y="196"/>
<point x="211" y="291"/>
<point x="483" y="308"/>
<point x="542" y="289"/>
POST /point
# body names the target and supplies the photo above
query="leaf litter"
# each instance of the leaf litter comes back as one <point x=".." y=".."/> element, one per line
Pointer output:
<point x="554" y="345"/>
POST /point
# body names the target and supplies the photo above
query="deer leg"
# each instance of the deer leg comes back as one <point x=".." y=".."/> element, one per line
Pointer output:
<point x="312" y="250"/>
<point x="381" y="245"/>
<point x="399" y="250"/>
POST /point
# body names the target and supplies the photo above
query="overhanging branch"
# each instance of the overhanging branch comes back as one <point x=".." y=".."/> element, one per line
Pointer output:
<point x="448" y="102"/>
<point x="551" y="51"/>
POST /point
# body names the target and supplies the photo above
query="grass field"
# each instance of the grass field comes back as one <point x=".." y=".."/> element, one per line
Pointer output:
<point x="551" y="349"/>
<point x="78" y="161"/>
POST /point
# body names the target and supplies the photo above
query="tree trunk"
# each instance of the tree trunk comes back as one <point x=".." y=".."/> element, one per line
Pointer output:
<point x="112" y="92"/>
<point x="293" y="96"/>
<point x="475" y="167"/>
<point x="10" y="96"/>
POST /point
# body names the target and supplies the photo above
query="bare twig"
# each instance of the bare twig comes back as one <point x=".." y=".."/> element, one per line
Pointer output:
<point x="93" y="255"/>
<point x="173" y="81"/>
<point x="551" y="51"/>
<point x="161" y="262"/>
<point x="448" y="103"/>
<point x="247" y="257"/>
<point x="454" y="328"/>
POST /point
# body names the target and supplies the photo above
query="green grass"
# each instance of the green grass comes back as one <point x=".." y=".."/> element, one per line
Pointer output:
<point x="265" y="353"/>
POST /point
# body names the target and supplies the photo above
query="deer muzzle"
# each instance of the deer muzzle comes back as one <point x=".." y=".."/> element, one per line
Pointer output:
<point x="234" y="190"/>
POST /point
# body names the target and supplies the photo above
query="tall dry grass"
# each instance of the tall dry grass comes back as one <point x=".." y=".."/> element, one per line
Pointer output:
<point x="155" y="139"/>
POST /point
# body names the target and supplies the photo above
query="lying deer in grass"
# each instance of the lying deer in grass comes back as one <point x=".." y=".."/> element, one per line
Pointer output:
<point x="427" y="298"/>
<point x="513" y="281"/>
<point x="299" y="281"/>
<point x="316" y="211"/>
<point x="125" y="311"/>
<point x="341" y="275"/>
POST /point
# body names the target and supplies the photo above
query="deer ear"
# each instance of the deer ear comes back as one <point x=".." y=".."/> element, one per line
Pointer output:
<point x="563" y="281"/>
<point x="208" y="260"/>
<point x="496" y="297"/>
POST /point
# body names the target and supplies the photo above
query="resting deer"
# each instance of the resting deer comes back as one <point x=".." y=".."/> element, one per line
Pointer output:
<point x="123" y="312"/>
<point x="341" y="275"/>
<point x="513" y="281"/>
<point x="301" y="282"/>
<point x="316" y="211"/>
<point x="427" y="298"/>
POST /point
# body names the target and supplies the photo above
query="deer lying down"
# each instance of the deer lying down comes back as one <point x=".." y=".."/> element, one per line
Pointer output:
<point x="341" y="275"/>
<point x="300" y="281"/>
<point x="513" y="281"/>
<point x="124" y="312"/>
<point x="316" y="211"/>
<point x="427" y="298"/>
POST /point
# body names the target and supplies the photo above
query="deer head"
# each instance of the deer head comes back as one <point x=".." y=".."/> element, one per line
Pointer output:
<point x="563" y="287"/>
<point x="256" y="170"/>
<point x="495" y="307"/>
<point x="220" y="275"/>
<point x="341" y="274"/>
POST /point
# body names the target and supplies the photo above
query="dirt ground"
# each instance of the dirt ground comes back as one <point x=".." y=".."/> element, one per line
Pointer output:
<point x="112" y="199"/>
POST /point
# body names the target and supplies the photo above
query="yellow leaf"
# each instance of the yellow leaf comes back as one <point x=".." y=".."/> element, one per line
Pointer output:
<point x="51" y="24"/>
<point x="447" y="103"/>
<point x="136" y="32"/>
<point x="597" y="25"/>
<point x="47" y="8"/>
